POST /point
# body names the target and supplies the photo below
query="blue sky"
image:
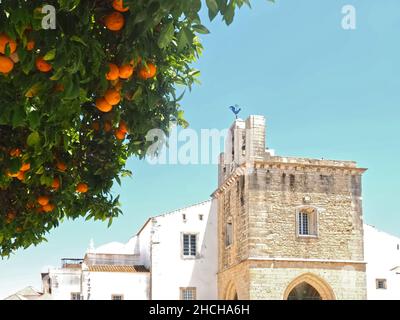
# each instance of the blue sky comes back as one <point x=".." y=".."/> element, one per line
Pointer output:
<point x="325" y="92"/>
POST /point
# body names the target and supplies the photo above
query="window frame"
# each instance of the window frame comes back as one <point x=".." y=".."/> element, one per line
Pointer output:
<point x="379" y="280"/>
<point x="76" y="294"/>
<point x="182" y="292"/>
<point x="229" y="221"/>
<point x="312" y="222"/>
<point x="189" y="257"/>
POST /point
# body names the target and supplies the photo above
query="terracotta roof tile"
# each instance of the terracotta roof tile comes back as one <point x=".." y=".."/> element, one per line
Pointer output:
<point x="117" y="268"/>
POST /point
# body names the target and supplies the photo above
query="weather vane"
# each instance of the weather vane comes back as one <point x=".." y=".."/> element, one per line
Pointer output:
<point x="235" y="109"/>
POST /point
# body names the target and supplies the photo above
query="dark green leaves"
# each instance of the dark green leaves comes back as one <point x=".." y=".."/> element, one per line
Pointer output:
<point x="33" y="139"/>
<point x="166" y="35"/>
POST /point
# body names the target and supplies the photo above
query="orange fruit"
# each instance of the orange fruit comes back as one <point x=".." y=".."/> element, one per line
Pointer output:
<point x="135" y="63"/>
<point x="119" y="6"/>
<point x="21" y="176"/>
<point x="96" y="126"/>
<point x="56" y="183"/>
<point x="12" y="175"/>
<point x="10" y="217"/>
<point x="126" y="71"/>
<point x="6" y="64"/>
<point x="19" y="229"/>
<point x="103" y="105"/>
<point x="15" y="152"/>
<point x="120" y="135"/>
<point x="107" y="126"/>
<point x="48" y="207"/>
<point x="6" y="40"/>
<point x="114" y="21"/>
<point x="113" y="73"/>
<point x="112" y="96"/>
<point x="39" y="209"/>
<point x="61" y="166"/>
<point x="122" y="126"/>
<point x="43" y="200"/>
<point x="25" y="167"/>
<point x="43" y="66"/>
<point x="82" y="187"/>
<point x="30" y="45"/>
<point x="149" y="72"/>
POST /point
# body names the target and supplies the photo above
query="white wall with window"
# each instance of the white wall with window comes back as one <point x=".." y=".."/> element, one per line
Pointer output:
<point x="184" y="256"/>
<point x="382" y="254"/>
<point x="65" y="283"/>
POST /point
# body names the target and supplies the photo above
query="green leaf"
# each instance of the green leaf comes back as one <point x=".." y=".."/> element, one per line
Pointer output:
<point x="33" y="139"/>
<point x="200" y="29"/>
<point x="50" y="55"/>
<point x="166" y="36"/>
<point x="212" y="9"/>
<point x="79" y="40"/>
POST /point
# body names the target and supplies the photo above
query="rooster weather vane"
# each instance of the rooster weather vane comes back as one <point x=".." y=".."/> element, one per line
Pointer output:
<point x="235" y="109"/>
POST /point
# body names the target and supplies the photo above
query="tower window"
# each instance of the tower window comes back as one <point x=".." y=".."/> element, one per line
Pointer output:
<point x="229" y="233"/>
<point x="307" y="222"/>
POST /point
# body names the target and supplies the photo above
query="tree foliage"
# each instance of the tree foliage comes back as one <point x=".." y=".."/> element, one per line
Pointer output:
<point x="59" y="154"/>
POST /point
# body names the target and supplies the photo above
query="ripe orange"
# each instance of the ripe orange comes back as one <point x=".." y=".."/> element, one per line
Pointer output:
<point x="25" y="167"/>
<point x="96" y="126"/>
<point x="6" y="40"/>
<point x="112" y="96"/>
<point x="123" y="127"/>
<point x="43" y="66"/>
<point x="82" y="187"/>
<point x="113" y="74"/>
<point x="6" y="64"/>
<point x="61" y="166"/>
<point x="56" y="183"/>
<point x="119" y="6"/>
<point x="107" y="126"/>
<point x="114" y="21"/>
<point x="12" y="175"/>
<point x="103" y="105"/>
<point x="48" y="207"/>
<point x="120" y="135"/>
<point x="10" y="217"/>
<point x="43" y="200"/>
<point x="15" y="152"/>
<point x="30" y="45"/>
<point x="149" y="72"/>
<point x="126" y="71"/>
<point x="21" y="176"/>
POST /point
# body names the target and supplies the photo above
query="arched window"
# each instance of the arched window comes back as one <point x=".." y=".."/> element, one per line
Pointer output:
<point x="306" y="221"/>
<point x="304" y="291"/>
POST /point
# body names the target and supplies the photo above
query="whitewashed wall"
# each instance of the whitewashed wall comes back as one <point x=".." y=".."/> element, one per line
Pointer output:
<point x="64" y="282"/>
<point x="382" y="253"/>
<point x="170" y="270"/>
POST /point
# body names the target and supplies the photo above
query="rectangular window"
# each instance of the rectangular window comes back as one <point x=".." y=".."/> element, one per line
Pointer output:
<point x="188" y="293"/>
<point x="75" y="296"/>
<point x="117" y="297"/>
<point x="381" y="284"/>
<point x="229" y="234"/>
<point x="200" y="217"/>
<point x="189" y="245"/>
<point x="303" y="223"/>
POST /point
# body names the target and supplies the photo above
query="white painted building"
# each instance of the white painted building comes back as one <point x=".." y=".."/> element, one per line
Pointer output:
<point x="382" y="253"/>
<point x="172" y="257"/>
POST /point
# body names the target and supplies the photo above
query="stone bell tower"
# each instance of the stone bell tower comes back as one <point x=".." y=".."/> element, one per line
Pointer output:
<point x="288" y="228"/>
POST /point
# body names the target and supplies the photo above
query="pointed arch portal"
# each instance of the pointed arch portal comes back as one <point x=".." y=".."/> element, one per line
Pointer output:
<point x="309" y="287"/>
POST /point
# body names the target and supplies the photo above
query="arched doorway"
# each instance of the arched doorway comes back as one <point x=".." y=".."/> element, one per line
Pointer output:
<point x="304" y="291"/>
<point x="231" y="293"/>
<point x="308" y="287"/>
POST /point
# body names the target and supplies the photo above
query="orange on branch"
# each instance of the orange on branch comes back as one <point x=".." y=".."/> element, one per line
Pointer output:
<point x="48" y="207"/>
<point x="120" y="135"/>
<point x="10" y="217"/>
<point x="43" y="200"/>
<point x="25" y="167"/>
<point x="113" y="73"/>
<point x="112" y="96"/>
<point x="15" y="152"/>
<point x="126" y="71"/>
<point x="56" y="183"/>
<point x="82" y="187"/>
<point x="5" y="41"/>
<point x="43" y="66"/>
<point x="107" y="126"/>
<point x="21" y="176"/>
<point x="119" y="6"/>
<point x="61" y="166"/>
<point x="6" y="64"/>
<point x="149" y="72"/>
<point x="30" y="45"/>
<point x="114" y="21"/>
<point x="122" y="126"/>
<point x="103" y="105"/>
